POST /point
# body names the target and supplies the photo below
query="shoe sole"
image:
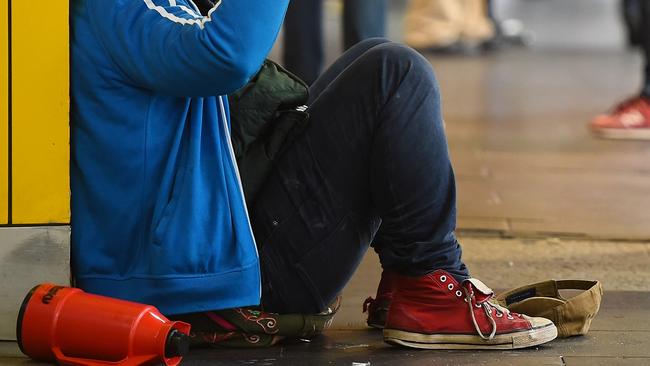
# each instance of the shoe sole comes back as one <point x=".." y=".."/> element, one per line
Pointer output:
<point x="516" y="340"/>
<point x="623" y="134"/>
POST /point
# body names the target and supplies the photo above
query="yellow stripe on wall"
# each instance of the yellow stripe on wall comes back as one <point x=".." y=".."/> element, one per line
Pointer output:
<point x="4" y="102"/>
<point x="40" y="109"/>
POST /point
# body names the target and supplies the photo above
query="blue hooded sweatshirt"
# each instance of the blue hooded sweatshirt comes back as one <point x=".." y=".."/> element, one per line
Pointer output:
<point x="158" y="214"/>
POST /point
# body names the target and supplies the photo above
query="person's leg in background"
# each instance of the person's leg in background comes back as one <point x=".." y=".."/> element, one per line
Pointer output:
<point x="375" y="152"/>
<point x="447" y="26"/>
<point x="632" y="18"/>
<point x="645" y="44"/>
<point x="433" y="24"/>
<point x="363" y="19"/>
<point x="477" y="26"/>
<point x="631" y="118"/>
<point x="303" y="39"/>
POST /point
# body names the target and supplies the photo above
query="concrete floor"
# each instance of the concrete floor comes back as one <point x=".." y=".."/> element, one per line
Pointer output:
<point x="504" y="263"/>
<point x="526" y="164"/>
<point x="619" y="336"/>
<point x="539" y="197"/>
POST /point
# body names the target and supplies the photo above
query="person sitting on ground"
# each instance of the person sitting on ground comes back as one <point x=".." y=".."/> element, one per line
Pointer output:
<point x="158" y="210"/>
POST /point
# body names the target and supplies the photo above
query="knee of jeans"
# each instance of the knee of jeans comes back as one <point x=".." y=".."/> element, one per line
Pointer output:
<point x="396" y="56"/>
<point x="369" y="43"/>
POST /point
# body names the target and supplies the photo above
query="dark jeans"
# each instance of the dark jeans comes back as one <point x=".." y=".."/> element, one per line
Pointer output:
<point x="645" y="43"/>
<point x="636" y="14"/>
<point x="303" y="32"/>
<point x="372" y="168"/>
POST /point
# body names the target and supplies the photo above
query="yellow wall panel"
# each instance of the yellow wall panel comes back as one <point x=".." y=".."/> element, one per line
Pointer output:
<point x="4" y="101"/>
<point x="40" y="110"/>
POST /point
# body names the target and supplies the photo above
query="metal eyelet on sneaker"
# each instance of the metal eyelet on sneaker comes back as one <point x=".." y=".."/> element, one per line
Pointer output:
<point x="510" y="317"/>
<point x="443" y="278"/>
<point x="499" y="315"/>
<point x="477" y="305"/>
<point x="450" y="286"/>
<point x="459" y="293"/>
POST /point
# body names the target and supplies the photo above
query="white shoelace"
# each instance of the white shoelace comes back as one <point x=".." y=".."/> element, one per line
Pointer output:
<point x="487" y="308"/>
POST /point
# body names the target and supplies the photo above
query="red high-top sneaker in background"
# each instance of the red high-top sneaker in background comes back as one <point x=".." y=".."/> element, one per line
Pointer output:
<point x="378" y="307"/>
<point x="436" y="312"/>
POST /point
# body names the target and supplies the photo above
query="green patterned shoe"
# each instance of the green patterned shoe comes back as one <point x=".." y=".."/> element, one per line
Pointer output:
<point x="252" y="328"/>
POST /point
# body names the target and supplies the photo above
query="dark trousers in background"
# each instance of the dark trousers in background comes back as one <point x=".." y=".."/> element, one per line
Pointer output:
<point x="645" y="43"/>
<point x="371" y="168"/>
<point x="303" y="32"/>
<point x="636" y="15"/>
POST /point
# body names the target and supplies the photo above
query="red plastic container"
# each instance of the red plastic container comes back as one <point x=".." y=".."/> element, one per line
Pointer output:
<point x="71" y="327"/>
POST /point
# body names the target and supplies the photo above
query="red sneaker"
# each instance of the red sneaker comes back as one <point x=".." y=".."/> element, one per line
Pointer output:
<point x="629" y="120"/>
<point x="436" y="312"/>
<point x="378" y="307"/>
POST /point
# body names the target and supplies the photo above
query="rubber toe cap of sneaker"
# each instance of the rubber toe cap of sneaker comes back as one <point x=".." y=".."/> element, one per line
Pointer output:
<point x="537" y="322"/>
<point x="601" y="121"/>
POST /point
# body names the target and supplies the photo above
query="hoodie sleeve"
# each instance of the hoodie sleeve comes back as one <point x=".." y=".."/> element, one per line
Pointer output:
<point x="170" y="48"/>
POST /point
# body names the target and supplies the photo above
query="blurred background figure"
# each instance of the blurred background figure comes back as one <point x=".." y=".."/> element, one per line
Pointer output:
<point x="303" y="32"/>
<point x="632" y="19"/>
<point x="631" y="118"/>
<point x="447" y="25"/>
